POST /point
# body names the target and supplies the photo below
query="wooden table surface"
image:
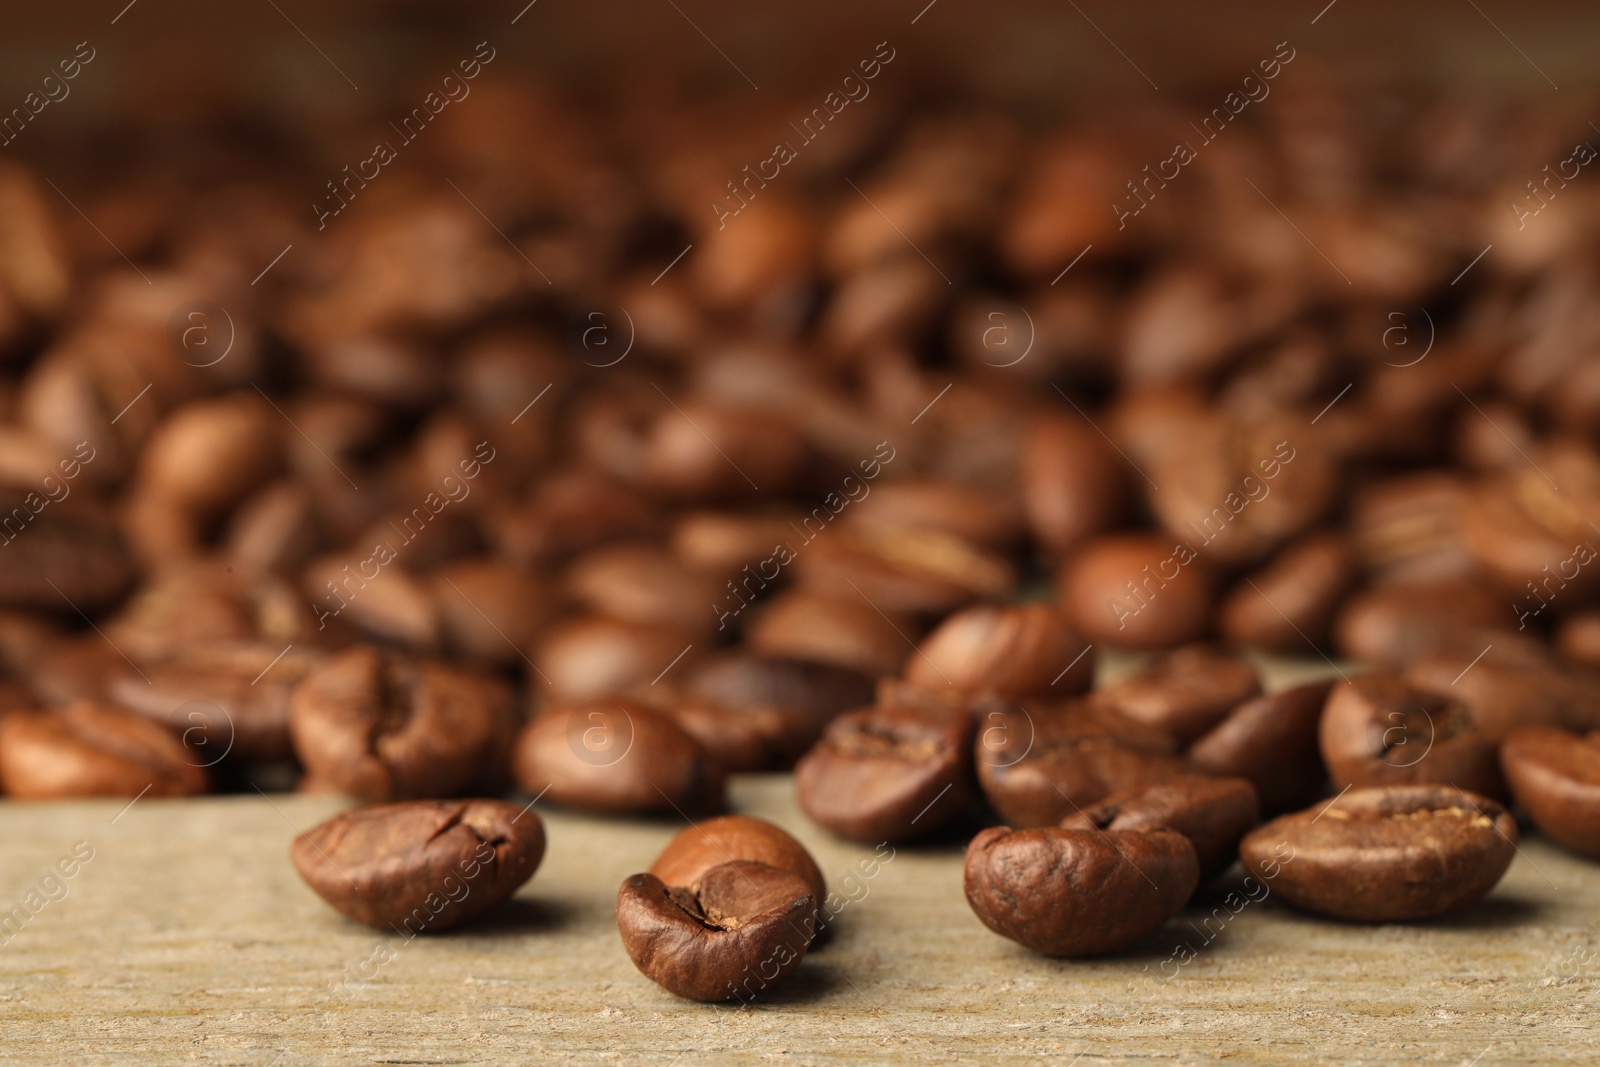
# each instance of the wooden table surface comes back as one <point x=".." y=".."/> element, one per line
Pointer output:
<point x="188" y="937"/>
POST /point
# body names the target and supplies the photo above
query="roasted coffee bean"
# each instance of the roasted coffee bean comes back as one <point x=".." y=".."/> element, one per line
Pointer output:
<point x="1185" y="692"/>
<point x="1578" y="637"/>
<point x="379" y="726"/>
<point x="896" y="772"/>
<point x="1554" y="775"/>
<point x="616" y="757"/>
<point x="1396" y="624"/>
<point x="1074" y="485"/>
<point x="740" y="929"/>
<point x="226" y="699"/>
<point x="745" y="739"/>
<point x="1408" y="528"/>
<point x="898" y="568"/>
<point x="1078" y="892"/>
<point x="1004" y="651"/>
<point x="704" y="845"/>
<point x="489" y="610"/>
<point x="1392" y="854"/>
<point x="568" y="511"/>
<point x="1380" y="730"/>
<point x="202" y="601"/>
<point x="646" y="585"/>
<point x="978" y="516"/>
<point x="421" y="866"/>
<point x="591" y="656"/>
<point x="1213" y="813"/>
<point x="57" y="556"/>
<point x="207" y="455"/>
<point x="847" y="633"/>
<point x="1287" y="606"/>
<point x="1272" y="742"/>
<point x="94" y="749"/>
<point x="688" y="447"/>
<point x="1039" y="763"/>
<point x="1136" y="591"/>
<point x="723" y="542"/>
<point x="1512" y="684"/>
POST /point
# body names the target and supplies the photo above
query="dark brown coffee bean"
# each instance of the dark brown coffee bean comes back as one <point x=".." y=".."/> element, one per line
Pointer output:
<point x="1003" y="651"/>
<point x="740" y="929"/>
<point x="1408" y="528"/>
<point x="1554" y="775"/>
<point x="896" y="772"/>
<point x="1396" y="624"/>
<point x="93" y="749"/>
<point x="1039" y="763"/>
<point x="1272" y="742"/>
<point x="897" y="568"/>
<point x="755" y="713"/>
<point x="843" y="632"/>
<point x="1287" y="606"/>
<point x="704" y="845"/>
<point x="689" y="445"/>
<point x="1078" y="892"/>
<point x="591" y="656"/>
<point x="1385" y="855"/>
<point x="1074" y="485"/>
<point x="1185" y="692"/>
<point x="1213" y="813"/>
<point x="276" y="530"/>
<point x="224" y="699"/>
<point x="420" y="866"/>
<point x="566" y="512"/>
<point x="1381" y="730"/>
<point x="195" y="602"/>
<point x="616" y="757"/>
<point x="379" y="726"/>
<point x="69" y="669"/>
<point x="53" y="556"/>
<point x="1136" y="591"/>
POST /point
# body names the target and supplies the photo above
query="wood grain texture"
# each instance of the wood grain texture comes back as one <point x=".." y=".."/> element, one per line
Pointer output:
<point x="189" y="938"/>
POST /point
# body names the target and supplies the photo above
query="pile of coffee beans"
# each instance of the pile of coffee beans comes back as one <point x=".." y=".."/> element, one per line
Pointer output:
<point x="536" y="469"/>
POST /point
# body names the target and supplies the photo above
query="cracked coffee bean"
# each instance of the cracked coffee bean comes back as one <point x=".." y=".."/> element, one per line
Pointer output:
<point x="423" y="865"/>
<point x="380" y="726"/>
<point x="707" y="844"/>
<point x="1390" y="854"/>
<point x="94" y="749"/>
<point x="739" y="930"/>
<point x="1078" y="892"/>
<point x="1213" y="813"/>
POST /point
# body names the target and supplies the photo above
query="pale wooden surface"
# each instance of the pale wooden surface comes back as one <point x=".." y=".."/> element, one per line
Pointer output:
<point x="189" y="938"/>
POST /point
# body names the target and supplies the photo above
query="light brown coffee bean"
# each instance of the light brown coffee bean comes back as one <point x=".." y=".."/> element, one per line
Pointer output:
<point x="1004" y="651"/>
<point x="901" y="569"/>
<point x="1391" y="854"/>
<point x="421" y="866"/>
<point x="590" y="656"/>
<point x="841" y="631"/>
<point x="616" y="757"/>
<point x="1136" y="591"/>
<point x="1379" y="730"/>
<point x="896" y="772"/>
<point x="94" y="749"/>
<point x="1554" y="775"/>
